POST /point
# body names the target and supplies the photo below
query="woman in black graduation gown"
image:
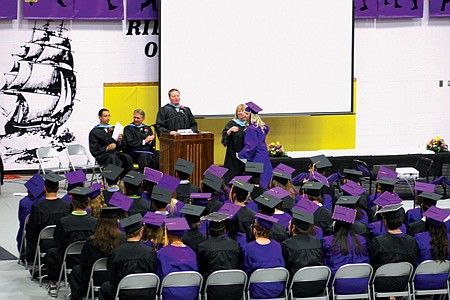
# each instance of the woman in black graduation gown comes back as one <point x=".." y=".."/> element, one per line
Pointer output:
<point x="233" y="139"/>
<point x="107" y="236"/>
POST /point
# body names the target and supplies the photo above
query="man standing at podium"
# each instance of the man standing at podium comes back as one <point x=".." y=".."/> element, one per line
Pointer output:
<point x="173" y="116"/>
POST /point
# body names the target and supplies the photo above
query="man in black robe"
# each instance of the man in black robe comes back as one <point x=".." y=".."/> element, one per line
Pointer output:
<point x="426" y="200"/>
<point x="103" y="147"/>
<point x="173" y="116"/>
<point x="139" y="141"/>
<point x="130" y="258"/>
<point x="44" y="213"/>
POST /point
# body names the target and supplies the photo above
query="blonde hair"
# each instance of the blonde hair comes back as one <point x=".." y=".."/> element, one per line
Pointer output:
<point x="256" y="119"/>
<point x="288" y="186"/>
<point x="96" y="204"/>
<point x="238" y="108"/>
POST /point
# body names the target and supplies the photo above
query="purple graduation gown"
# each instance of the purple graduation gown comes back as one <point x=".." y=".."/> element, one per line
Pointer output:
<point x="24" y="210"/>
<point x="283" y="219"/>
<point x="257" y="256"/>
<point x="176" y="259"/>
<point x="413" y="215"/>
<point x="255" y="150"/>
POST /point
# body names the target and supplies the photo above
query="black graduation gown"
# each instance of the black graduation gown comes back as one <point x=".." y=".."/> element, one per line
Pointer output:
<point x="69" y="229"/>
<point x="234" y="143"/>
<point x="219" y="253"/>
<point x="132" y="141"/>
<point x="302" y="251"/>
<point x="99" y="139"/>
<point x="257" y="191"/>
<point x="44" y="213"/>
<point x="389" y="248"/>
<point x="214" y="205"/>
<point x="129" y="258"/>
<point x="322" y="219"/>
<point x="278" y="233"/>
<point x="417" y="227"/>
<point x="139" y="205"/>
<point x="184" y="191"/>
<point x="168" y="119"/>
<point x="193" y="238"/>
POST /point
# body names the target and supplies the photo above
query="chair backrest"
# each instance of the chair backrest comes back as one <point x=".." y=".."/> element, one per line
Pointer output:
<point x="74" y="248"/>
<point x="76" y="149"/>
<point x="312" y="274"/>
<point x="138" y="281"/>
<point x="423" y="165"/>
<point x="356" y="275"/>
<point x="394" y="270"/>
<point x="432" y="267"/>
<point x="100" y="265"/>
<point x="48" y="153"/>
<point x="46" y="233"/>
<point x="354" y="271"/>
<point x="232" y="281"/>
<point x="301" y="286"/>
<point x="269" y="275"/>
<point x="182" y="279"/>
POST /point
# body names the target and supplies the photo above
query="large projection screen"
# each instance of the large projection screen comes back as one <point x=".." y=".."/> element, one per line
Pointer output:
<point x="289" y="56"/>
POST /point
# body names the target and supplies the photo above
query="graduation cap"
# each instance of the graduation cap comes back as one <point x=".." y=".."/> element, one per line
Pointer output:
<point x="283" y="171"/>
<point x="352" y="188"/>
<point x="75" y="177"/>
<point x="436" y="215"/>
<point x="133" y="178"/>
<point x="35" y="185"/>
<point x="321" y="161"/>
<point x="302" y="218"/>
<point x="252" y="107"/>
<point x="278" y="192"/>
<point x="192" y="213"/>
<point x="132" y="223"/>
<point x="184" y="166"/>
<point x="81" y="191"/>
<point x="265" y="220"/>
<point x="288" y="202"/>
<point x="243" y="178"/>
<point x="348" y="200"/>
<point x="120" y="200"/>
<point x="216" y="170"/>
<point x="112" y="172"/>
<point x="352" y="174"/>
<point x="389" y="181"/>
<point x="110" y="212"/>
<point x="213" y="181"/>
<point x="387" y="199"/>
<point x="230" y="209"/>
<point x="153" y="219"/>
<point x="306" y="205"/>
<point x="169" y="182"/>
<point x="96" y="190"/>
<point x="268" y="200"/>
<point x="429" y="198"/>
<point x="313" y="188"/>
<point x="344" y="214"/>
<point x="254" y="167"/>
<point x="52" y="177"/>
<point x="161" y="194"/>
<point x="243" y="186"/>
<point x="152" y="175"/>
<point x="176" y="226"/>
<point x="424" y="187"/>
<point x="200" y="198"/>
<point x="391" y="211"/>
<point x="320" y="178"/>
<point x="216" y="220"/>
<point x="385" y="172"/>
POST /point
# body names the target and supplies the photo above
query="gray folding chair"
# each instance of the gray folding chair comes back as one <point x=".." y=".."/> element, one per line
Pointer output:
<point x="50" y="156"/>
<point x="269" y="275"/>
<point x="23" y="242"/>
<point x="307" y="276"/>
<point x="233" y="283"/>
<point x="45" y="234"/>
<point x="182" y="279"/>
<point x="78" y="151"/>
<point x="138" y="281"/>
<point x="399" y="271"/>
<point x="437" y="273"/>
<point x="71" y="250"/>
<point x="99" y="266"/>
<point x="357" y="276"/>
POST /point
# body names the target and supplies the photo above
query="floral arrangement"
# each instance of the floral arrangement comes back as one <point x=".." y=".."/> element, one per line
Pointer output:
<point x="437" y="144"/>
<point x="276" y="150"/>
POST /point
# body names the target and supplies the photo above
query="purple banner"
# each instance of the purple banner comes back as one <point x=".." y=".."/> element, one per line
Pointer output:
<point x="47" y="9"/>
<point x="439" y="8"/>
<point x="400" y="9"/>
<point x="366" y="9"/>
<point x="98" y="9"/>
<point x="8" y="9"/>
<point x="142" y="9"/>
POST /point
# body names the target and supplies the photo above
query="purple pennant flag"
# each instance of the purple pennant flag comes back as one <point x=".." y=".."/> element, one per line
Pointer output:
<point x="8" y="9"/>
<point x="439" y="8"/>
<point x="142" y="9"/>
<point x="48" y="9"/>
<point x="400" y="9"/>
<point x="366" y="9"/>
<point x="98" y="10"/>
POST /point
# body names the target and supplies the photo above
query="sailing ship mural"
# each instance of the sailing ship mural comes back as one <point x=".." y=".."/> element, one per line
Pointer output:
<point x="38" y="93"/>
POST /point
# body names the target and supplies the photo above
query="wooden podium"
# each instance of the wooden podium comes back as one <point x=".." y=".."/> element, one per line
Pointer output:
<point x="197" y="148"/>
